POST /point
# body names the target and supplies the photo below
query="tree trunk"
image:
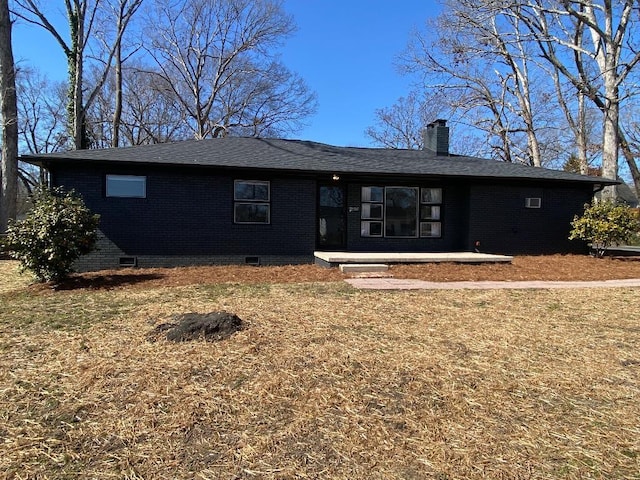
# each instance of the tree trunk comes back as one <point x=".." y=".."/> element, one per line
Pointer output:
<point x="9" y="119"/>
<point x="117" y="113"/>
<point x="631" y="162"/>
<point x="582" y="142"/>
<point x="79" y="136"/>
<point x="610" y="142"/>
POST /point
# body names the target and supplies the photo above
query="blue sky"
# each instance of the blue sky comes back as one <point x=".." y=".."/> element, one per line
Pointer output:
<point x="345" y="50"/>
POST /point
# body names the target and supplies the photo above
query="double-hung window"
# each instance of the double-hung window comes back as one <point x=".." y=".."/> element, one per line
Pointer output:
<point x="252" y="201"/>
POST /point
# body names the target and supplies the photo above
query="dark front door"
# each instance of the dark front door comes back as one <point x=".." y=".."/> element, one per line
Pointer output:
<point x="331" y="217"/>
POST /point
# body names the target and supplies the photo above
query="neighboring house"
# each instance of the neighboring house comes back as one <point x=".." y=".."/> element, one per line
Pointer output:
<point x="627" y="195"/>
<point x="270" y="201"/>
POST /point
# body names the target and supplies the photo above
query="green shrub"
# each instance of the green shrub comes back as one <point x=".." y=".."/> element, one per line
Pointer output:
<point x="605" y="224"/>
<point x="56" y="231"/>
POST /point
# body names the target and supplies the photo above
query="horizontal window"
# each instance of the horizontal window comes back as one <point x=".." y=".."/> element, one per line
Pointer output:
<point x="431" y="195"/>
<point x="372" y="211"/>
<point x="126" y="186"/>
<point x="430" y="212"/>
<point x="534" y="202"/>
<point x="372" y="194"/>
<point x="430" y="229"/>
<point x="251" y="213"/>
<point x="371" y="229"/>
<point x="253" y="190"/>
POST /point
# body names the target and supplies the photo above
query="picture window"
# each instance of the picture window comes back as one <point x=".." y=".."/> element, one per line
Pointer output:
<point x="401" y="212"/>
<point x="126" y="186"/>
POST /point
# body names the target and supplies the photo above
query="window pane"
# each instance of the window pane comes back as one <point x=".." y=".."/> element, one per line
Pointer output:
<point x="252" y="213"/>
<point x="430" y="212"/>
<point x="127" y="186"/>
<point x="372" y="194"/>
<point x="431" y="195"/>
<point x="371" y="229"/>
<point x="331" y="197"/>
<point x="430" y="229"/>
<point x="401" y="212"/>
<point x="251" y="190"/>
<point x="372" y="210"/>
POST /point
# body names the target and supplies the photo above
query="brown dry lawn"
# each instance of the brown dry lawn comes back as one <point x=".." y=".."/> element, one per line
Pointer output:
<point x="326" y="381"/>
<point x="550" y="267"/>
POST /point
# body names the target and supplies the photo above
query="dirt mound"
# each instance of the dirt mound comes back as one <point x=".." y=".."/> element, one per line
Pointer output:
<point x="212" y="326"/>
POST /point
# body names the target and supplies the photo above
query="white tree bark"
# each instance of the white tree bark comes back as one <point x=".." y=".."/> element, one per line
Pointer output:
<point x="558" y="32"/>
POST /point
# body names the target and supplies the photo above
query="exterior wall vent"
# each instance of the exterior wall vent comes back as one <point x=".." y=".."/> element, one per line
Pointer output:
<point x="255" y="261"/>
<point x="128" y="261"/>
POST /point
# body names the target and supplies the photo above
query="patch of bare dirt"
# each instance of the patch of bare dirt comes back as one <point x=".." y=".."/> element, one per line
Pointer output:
<point x="185" y="327"/>
<point x="547" y="267"/>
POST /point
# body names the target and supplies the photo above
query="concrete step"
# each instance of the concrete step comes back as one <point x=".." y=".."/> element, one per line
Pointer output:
<point x="359" y="268"/>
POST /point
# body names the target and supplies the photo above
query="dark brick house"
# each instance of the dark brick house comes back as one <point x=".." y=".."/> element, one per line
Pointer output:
<point x="271" y="201"/>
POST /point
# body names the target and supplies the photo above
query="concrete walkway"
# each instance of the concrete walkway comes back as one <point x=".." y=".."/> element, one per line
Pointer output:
<point x="408" y="284"/>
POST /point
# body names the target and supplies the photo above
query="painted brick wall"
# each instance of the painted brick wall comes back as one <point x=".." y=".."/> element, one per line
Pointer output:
<point x="188" y="213"/>
<point x="499" y="220"/>
<point x="187" y="218"/>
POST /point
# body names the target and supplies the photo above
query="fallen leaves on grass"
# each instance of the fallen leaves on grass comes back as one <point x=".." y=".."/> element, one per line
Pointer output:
<point x="327" y="382"/>
<point x="547" y="267"/>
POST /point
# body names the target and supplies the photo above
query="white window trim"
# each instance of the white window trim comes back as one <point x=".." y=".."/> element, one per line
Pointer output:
<point x="366" y="220"/>
<point x="431" y="223"/>
<point x="366" y="211"/>
<point x="423" y="189"/>
<point x="365" y="228"/>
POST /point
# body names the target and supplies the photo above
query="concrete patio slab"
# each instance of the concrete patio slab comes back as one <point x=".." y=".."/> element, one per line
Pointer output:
<point x="334" y="259"/>
<point x="409" y="284"/>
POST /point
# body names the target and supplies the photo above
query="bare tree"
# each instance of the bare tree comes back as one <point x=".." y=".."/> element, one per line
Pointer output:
<point x="150" y="113"/>
<point x="82" y="16"/>
<point x="214" y="55"/>
<point x="9" y="120"/>
<point x="116" y="19"/>
<point x="400" y="126"/>
<point x="579" y="37"/>
<point x="41" y="113"/>
<point x="476" y="48"/>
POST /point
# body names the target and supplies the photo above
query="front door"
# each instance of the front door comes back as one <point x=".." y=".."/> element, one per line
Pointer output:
<point x="331" y="218"/>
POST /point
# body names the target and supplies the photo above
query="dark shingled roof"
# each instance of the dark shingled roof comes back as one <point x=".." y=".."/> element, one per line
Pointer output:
<point x="312" y="157"/>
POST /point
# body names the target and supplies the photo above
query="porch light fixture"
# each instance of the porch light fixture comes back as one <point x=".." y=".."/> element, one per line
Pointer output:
<point x="336" y="177"/>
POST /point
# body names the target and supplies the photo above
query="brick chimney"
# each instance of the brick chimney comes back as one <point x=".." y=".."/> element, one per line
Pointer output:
<point x="436" y="137"/>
